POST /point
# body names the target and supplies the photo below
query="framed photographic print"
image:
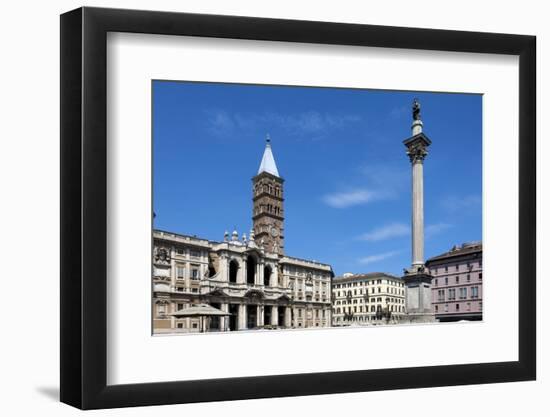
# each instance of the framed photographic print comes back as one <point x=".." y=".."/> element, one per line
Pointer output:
<point x="258" y="208"/>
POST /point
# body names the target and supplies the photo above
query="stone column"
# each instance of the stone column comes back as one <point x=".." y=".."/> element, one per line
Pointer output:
<point x="260" y="316"/>
<point x="259" y="274"/>
<point x="243" y="266"/>
<point x="274" y="315"/>
<point x="288" y="322"/>
<point x="417" y="146"/>
<point x="223" y="268"/>
<point x="242" y="317"/>
<point x="224" y="319"/>
<point x="417" y="213"/>
<point x="273" y="279"/>
<point x="173" y="271"/>
<point x="417" y="279"/>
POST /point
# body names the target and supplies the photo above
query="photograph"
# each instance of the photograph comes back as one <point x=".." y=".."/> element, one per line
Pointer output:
<point x="279" y="207"/>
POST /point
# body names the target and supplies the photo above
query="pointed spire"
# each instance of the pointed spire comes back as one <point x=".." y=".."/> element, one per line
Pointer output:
<point x="268" y="162"/>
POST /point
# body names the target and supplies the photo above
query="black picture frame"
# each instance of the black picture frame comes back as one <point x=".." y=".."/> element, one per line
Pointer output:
<point x="84" y="207"/>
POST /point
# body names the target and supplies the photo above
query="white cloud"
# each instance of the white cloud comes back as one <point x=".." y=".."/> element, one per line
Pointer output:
<point x="220" y="122"/>
<point x="455" y="204"/>
<point x="399" y="112"/>
<point x="306" y="123"/>
<point x="434" y="229"/>
<point x="378" y="257"/>
<point x="387" y="175"/>
<point x="352" y="198"/>
<point x="393" y="230"/>
<point x="386" y="232"/>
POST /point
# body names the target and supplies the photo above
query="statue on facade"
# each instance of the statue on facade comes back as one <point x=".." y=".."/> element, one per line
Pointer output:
<point x="161" y="255"/>
<point x="416" y="109"/>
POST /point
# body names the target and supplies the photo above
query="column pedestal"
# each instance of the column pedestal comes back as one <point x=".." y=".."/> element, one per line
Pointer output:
<point x="418" y="300"/>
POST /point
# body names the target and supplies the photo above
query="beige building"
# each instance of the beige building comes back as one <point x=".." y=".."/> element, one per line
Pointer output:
<point x="366" y="299"/>
<point x="249" y="282"/>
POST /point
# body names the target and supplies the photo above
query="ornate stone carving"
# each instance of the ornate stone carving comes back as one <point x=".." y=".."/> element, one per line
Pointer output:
<point x="161" y="255"/>
<point x="417" y="151"/>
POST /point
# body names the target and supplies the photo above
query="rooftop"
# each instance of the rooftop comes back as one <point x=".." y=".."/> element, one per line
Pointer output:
<point x="459" y="250"/>
<point x="360" y="277"/>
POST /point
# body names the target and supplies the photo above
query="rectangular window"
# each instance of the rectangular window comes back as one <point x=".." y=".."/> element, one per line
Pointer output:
<point x="457" y="307"/>
<point x="180" y="306"/>
<point x="194" y="273"/>
<point x="180" y="325"/>
<point x="180" y="272"/>
<point x="475" y="292"/>
<point x="457" y="279"/>
<point x="468" y="277"/>
<point x="479" y="276"/>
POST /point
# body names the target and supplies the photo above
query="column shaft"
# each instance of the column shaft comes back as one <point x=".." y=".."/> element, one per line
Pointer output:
<point x="417" y="213"/>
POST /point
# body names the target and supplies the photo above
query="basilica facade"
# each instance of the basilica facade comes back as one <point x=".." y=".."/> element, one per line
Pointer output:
<point x="239" y="283"/>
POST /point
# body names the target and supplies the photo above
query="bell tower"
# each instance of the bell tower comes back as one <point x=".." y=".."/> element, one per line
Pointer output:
<point x="268" y="213"/>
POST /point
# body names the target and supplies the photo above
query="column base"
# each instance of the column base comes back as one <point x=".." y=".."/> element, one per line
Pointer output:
<point x="418" y="297"/>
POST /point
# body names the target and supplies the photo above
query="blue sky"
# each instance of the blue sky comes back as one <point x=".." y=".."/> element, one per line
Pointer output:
<point x="340" y="151"/>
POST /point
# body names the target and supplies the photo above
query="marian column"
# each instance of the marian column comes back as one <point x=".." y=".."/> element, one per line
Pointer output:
<point x="417" y="279"/>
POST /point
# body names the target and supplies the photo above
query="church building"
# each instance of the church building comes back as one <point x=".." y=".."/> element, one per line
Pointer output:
<point x="200" y="285"/>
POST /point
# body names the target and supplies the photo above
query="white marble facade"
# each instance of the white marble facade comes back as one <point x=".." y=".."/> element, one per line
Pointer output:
<point x="259" y="290"/>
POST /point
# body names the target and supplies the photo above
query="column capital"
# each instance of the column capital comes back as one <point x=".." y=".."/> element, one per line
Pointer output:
<point x="417" y="153"/>
<point x="417" y="147"/>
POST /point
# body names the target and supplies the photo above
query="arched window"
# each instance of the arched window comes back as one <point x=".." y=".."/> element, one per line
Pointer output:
<point x="233" y="269"/>
<point x="211" y="271"/>
<point x="267" y="275"/>
<point x="250" y="270"/>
